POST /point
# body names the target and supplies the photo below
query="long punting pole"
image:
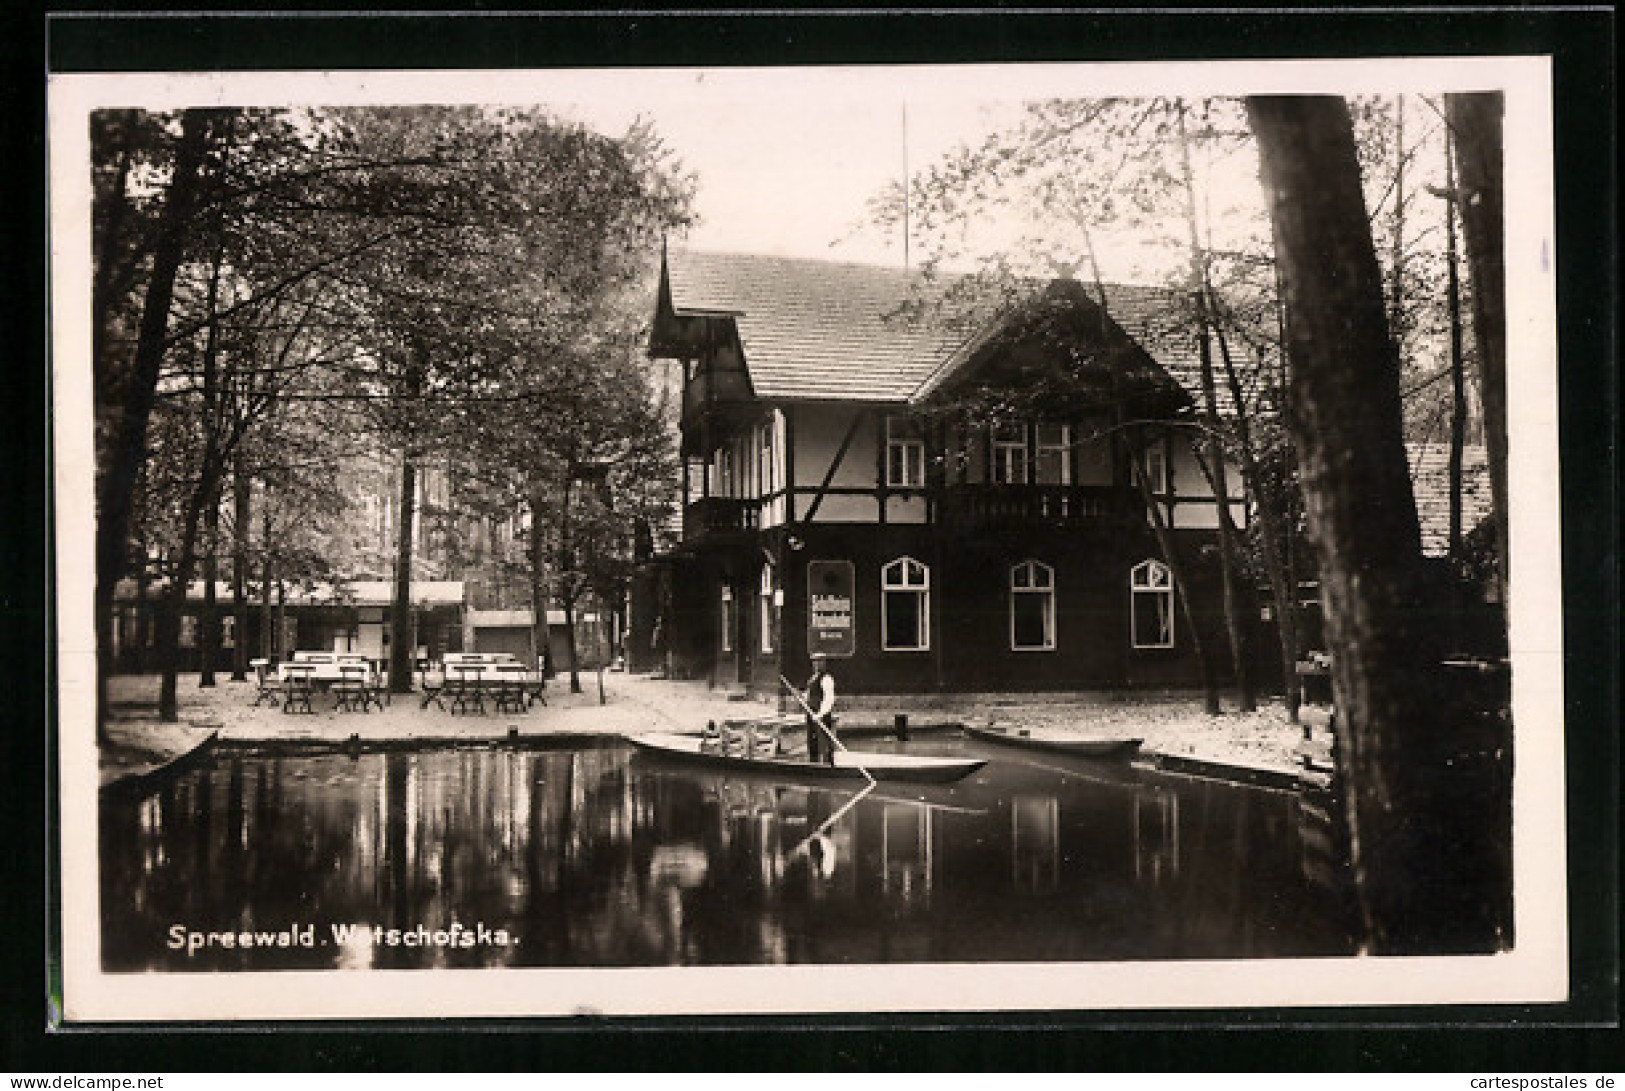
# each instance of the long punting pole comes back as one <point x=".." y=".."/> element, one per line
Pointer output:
<point x="819" y="721"/>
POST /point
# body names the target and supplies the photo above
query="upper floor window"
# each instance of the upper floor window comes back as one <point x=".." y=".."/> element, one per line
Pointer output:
<point x="766" y="599"/>
<point x="722" y="471"/>
<point x="764" y="460"/>
<point x="1154" y="460"/>
<point x="1052" y="462"/>
<point x="905" y="607"/>
<point x="1010" y="454"/>
<point x="1032" y="607"/>
<point x="1151" y="586"/>
<point x="905" y="453"/>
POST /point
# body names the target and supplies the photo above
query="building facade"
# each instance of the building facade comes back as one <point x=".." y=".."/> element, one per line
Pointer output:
<point x="935" y="508"/>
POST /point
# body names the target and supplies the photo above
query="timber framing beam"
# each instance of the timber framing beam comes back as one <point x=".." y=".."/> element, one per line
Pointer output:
<point x="835" y="463"/>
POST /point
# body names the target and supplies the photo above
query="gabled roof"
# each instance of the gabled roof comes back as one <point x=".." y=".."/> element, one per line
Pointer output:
<point x="1064" y="311"/>
<point x="822" y="330"/>
<point x="813" y="330"/>
<point x="1430" y="485"/>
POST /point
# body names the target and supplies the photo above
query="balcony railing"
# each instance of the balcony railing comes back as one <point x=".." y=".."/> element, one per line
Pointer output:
<point x="1053" y="505"/>
<point x="721" y="515"/>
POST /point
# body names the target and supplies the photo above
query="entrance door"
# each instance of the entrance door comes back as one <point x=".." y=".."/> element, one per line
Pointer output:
<point x="733" y="645"/>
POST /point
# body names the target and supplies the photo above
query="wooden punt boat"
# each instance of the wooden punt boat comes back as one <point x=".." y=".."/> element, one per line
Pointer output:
<point x="849" y="764"/>
<point x="1056" y="742"/>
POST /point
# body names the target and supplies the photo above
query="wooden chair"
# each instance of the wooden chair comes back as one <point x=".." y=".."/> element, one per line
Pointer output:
<point x="297" y="688"/>
<point x="375" y="687"/>
<point x="508" y="688"/>
<point x="350" y="691"/>
<point x="267" y="686"/>
<point x="466" y="691"/>
<point x="535" y="687"/>
<point x="434" y="683"/>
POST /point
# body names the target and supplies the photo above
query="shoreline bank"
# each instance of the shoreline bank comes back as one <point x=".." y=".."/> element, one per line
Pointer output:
<point x="1261" y="748"/>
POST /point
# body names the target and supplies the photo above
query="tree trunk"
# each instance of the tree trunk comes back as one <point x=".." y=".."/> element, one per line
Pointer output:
<point x="569" y="604"/>
<point x="127" y="451"/>
<point x="143" y="585"/>
<point x="1235" y="626"/>
<point x="400" y="613"/>
<point x="1199" y="277"/>
<point x="1176" y="570"/>
<point x="1396" y="285"/>
<point x="268" y="649"/>
<point x="209" y="618"/>
<point x="209" y="630"/>
<point x="118" y="207"/>
<point x="1475" y="127"/>
<point x="169" y="620"/>
<point x="1458" y="394"/>
<point x="1210" y="689"/>
<point x="1423" y="868"/>
<point x="1271" y="531"/>
<point x="202" y="506"/>
<point x="280" y="648"/>
<point x="239" y="571"/>
<point x="566" y="573"/>
<point x="536" y="553"/>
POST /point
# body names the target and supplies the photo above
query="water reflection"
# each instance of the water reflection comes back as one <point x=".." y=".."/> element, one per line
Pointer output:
<point x="590" y="857"/>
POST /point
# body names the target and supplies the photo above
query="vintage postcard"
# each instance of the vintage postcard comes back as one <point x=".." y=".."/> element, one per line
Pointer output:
<point x="1007" y="538"/>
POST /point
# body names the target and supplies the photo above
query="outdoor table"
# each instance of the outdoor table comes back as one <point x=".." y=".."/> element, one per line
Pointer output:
<point x="321" y="673"/>
<point x="511" y="687"/>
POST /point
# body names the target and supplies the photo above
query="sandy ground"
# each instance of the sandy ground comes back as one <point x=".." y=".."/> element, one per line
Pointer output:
<point x="634" y="704"/>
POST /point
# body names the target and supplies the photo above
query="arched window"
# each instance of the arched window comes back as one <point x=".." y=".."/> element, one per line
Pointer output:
<point x="905" y="614"/>
<point x="1151" y="586"/>
<point x="1032" y="607"/>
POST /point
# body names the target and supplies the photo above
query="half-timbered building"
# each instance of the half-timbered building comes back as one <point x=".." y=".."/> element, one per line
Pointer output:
<point x="937" y="506"/>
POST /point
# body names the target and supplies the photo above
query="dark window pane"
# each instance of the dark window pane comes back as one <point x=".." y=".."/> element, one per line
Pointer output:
<point x="903" y="621"/>
<point x="1027" y="619"/>
<point x="1152" y="619"/>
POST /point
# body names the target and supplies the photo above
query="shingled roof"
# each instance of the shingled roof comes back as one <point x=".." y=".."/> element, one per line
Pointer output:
<point x="813" y="329"/>
<point x="822" y="330"/>
<point x="837" y="330"/>
<point x="1430" y="485"/>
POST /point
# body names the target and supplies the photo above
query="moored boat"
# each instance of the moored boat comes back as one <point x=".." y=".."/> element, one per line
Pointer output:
<point x="849" y="764"/>
<point x="1056" y="742"/>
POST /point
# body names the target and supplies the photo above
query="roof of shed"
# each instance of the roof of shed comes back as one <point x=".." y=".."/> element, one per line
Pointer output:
<point x="823" y="330"/>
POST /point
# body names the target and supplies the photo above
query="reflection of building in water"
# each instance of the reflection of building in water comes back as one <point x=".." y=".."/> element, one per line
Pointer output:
<point x="906" y="858"/>
<point x="1156" y="834"/>
<point x="747" y="831"/>
<point x="1035" y="843"/>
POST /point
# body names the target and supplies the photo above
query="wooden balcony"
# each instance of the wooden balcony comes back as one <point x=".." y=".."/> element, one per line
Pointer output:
<point x="1035" y="505"/>
<point x="722" y="518"/>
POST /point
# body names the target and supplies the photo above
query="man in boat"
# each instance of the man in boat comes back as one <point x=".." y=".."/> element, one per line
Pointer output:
<point x="820" y="698"/>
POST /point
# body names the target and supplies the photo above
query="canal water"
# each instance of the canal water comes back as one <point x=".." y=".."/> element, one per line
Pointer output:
<point x="597" y="856"/>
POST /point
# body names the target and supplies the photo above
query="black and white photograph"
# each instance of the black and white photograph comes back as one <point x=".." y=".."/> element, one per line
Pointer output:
<point x="767" y="540"/>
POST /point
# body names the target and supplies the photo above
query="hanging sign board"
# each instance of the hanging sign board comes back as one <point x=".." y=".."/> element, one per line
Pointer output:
<point x="829" y="608"/>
